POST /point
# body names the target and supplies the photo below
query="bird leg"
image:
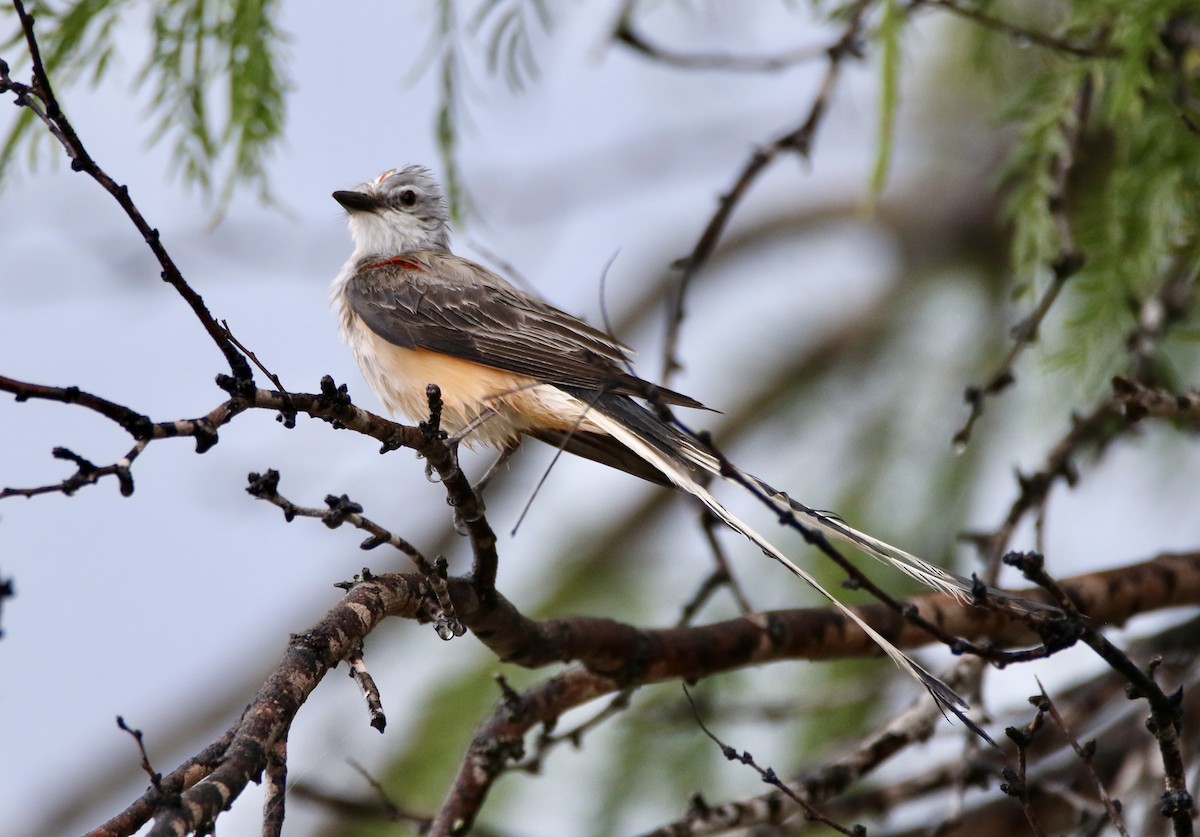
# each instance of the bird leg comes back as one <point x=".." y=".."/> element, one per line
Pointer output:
<point x="506" y="453"/>
<point x="474" y="424"/>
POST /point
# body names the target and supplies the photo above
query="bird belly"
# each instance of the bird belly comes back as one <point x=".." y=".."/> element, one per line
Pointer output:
<point x="513" y="404"/>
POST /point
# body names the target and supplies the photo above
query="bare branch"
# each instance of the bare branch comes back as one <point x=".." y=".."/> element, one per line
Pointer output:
<point x="52" y="114"/>
<point x="1065" y="265"/>
<point x="607" y="648"/>
<point x="769" y="776"/>
<point x="1085" y="754"/>
<point x="338" y="510"/>
<point x="817" y="785"/>
<point x="1165" y="711"/>
<point x="309" y="657"/>
<point x="1141" y="401"/>
<point x="627" y="35"/>
<point x="798" y="141"/>
<point x="1021" y="34"/>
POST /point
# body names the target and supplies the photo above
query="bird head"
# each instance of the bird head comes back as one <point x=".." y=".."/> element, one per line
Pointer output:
<point x="400" y="211"/>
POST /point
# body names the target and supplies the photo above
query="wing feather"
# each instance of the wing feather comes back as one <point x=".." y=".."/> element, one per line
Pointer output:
<point x="442" y="303"/>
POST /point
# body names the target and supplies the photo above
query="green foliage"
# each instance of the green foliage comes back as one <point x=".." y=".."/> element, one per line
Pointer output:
<point x="450" y="103"/>
<point x="218" y="87"/>
<point x="505" y="30"/>
<point x="256" y="89"/>
<point x="1044" y="117"/>
<point x="509" y="37"/>
<point x="75" y="41"/>
<point x="214" y="71"/>
<point x="889" y="91"/>
<point x="1133" y="194"/>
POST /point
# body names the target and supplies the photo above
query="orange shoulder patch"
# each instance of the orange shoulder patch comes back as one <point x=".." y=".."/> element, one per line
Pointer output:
<point x="399" y="261"/>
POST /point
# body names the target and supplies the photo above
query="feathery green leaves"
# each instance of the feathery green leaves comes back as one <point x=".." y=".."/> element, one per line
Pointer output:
<point x="889" y="91"/>
<point x="214" y="72"/>
<point x="1132" y="199"/>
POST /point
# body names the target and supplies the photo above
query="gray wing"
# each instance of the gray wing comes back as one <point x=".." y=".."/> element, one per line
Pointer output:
<point x="445" y="304"/>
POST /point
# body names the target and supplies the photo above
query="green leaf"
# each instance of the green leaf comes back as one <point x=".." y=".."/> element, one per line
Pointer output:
<point x="889" y="92"/>
<point x="207" y="57"/>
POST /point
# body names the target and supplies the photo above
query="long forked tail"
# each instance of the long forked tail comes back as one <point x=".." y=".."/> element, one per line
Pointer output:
<point x="682" y="450"/>
<point x="671" y="465"/>
<point x="965" y="590"/>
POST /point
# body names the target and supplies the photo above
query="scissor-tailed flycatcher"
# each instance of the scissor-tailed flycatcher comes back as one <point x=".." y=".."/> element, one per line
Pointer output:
<point x="510" y="365"/>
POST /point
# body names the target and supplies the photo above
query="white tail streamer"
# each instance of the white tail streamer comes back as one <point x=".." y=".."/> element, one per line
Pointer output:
<point x="680" y="477"/>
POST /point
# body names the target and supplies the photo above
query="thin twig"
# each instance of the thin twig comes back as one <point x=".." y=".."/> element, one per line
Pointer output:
<point x="1066" y="264"/>
<point x="87" y="473"/>
<point x="1085" y="753"/>
<point x="366" y="684"/>
<point x="1021" y="34"/>
<point x="721" y="576"/>
<point x="768" y="774"/>
<point x="62" y="129"/>
<point x="627" y="35"/>
<point x="1015" y="782"/>
<point x="798" y="141"/>
<point x="821" y="784"/>
<point x="156" y="781"/>
<point x="338" y="510"/>
<point x="1165" y="710"/>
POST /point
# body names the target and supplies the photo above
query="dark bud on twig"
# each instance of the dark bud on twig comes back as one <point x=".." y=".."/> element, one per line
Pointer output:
<point x="1020" y="737"/>
<point x="338" y="396"/>
<point x="263" y="485"/>
<point x="432" y="429"/>
<point x="206" y="437"/>
<point x="1067" y="265"/>
<point x="1175" y="803"/>
<point x="339" y="509"/>
<point x="125" y="481"/>
<point x="1057" y="634"/>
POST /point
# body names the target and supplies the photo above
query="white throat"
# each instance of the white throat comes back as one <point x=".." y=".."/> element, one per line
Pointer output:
<point x="389" y="233"/>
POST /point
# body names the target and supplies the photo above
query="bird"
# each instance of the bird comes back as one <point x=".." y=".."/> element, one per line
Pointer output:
<point x="510" y="365"/>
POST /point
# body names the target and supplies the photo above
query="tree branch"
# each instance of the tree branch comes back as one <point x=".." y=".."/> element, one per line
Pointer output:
<point x="798" y="141"/>
<point x="56" y="120"/>
<point x="626" y="34"/>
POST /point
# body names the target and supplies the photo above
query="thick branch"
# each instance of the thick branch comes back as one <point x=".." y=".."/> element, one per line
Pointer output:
<point x="615" y="656"/>
<point x="309" y="657"/>
<point x="608" y="648"/>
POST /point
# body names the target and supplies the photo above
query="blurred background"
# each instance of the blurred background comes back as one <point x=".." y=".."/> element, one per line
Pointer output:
<point x="835" y="329"/>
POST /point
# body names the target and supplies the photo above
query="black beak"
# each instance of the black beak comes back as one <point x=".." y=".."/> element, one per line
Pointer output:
<point x="359" y="202"/>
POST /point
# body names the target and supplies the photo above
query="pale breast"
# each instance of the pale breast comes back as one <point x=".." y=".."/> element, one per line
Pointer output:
<point x="514" y="403"/>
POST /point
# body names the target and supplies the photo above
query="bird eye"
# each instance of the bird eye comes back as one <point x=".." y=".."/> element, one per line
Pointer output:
<point x="408" y="197"/>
